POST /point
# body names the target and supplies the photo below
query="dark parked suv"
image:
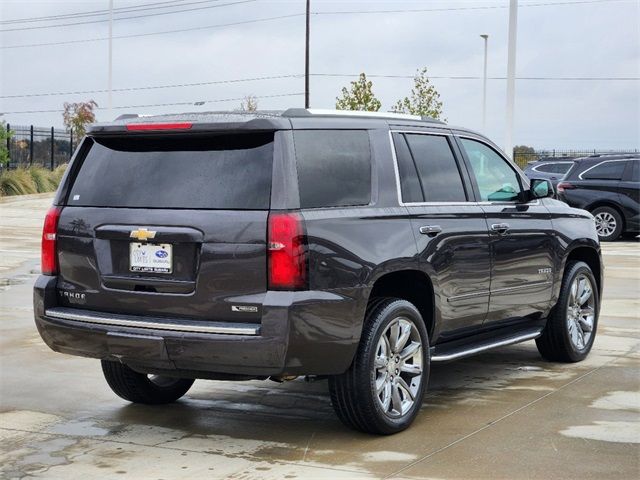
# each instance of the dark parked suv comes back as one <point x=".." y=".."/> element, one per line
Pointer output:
<point x="361" y="248"/>
<point x="609" y="187"/>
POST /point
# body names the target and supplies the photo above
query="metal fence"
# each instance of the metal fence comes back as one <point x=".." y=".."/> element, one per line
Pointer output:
<point x="523" y="158"/>
<point x="39" y="146"/>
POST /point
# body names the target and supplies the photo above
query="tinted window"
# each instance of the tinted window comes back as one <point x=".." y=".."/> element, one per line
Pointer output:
<point x="224" y="172"/>
<point x="437" y="168"/>
<point x="409" y="182"/>
<point x="562" y="167"/>
<point x="334" y="167"/>
<point x="497" y="180"/>
<point x="635" y="170"/>
<point x="554" y="167"/>
<point x="605" y="171"/>
<point x="546" y="168"/>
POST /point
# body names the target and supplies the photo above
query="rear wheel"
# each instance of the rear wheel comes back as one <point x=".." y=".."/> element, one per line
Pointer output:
<point x="383" y="389"/>
<point x="608" y="223"/>
<point x="571" y="327"/>
<point x="140" y="388"/>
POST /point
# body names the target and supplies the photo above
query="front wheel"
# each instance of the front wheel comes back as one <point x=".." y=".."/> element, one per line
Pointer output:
<point x="571" y="326"/>
<point x="383" y="389"/>
<point x="140" y="388"/>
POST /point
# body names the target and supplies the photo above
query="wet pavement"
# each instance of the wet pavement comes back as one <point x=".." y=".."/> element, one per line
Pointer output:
<point x="506" y="414"/>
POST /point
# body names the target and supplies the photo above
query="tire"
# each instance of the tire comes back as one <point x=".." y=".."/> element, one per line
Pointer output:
<point x="609" y="223"/>
<point x="353" y="393"/>
<point x="140" y="388"/>
<point x="566" y="337"/>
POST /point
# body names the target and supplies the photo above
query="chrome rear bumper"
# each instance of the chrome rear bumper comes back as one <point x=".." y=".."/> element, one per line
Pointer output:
<point x="153" y="323"/>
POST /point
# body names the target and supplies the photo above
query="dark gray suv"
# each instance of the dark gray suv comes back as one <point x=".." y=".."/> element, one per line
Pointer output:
<point x="357" y="247"/>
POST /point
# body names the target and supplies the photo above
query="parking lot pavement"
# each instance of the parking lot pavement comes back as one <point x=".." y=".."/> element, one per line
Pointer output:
<point x="501" y="415"/>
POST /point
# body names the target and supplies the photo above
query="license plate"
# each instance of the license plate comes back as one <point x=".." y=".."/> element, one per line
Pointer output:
<point x="150" y="258"/>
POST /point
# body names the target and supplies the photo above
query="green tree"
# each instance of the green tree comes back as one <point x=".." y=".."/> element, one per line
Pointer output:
<point x="4" y="136"/>
<point x="77" y="116"/>
<point x="424" y="99"/>
<point x="522" y="154"/>
<point x="359" y="97"/>
<point x="524" y="149"/>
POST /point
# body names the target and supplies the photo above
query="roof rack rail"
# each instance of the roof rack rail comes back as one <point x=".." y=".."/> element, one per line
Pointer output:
<point x="127" y="116"/>
<point x="308" y="112"/>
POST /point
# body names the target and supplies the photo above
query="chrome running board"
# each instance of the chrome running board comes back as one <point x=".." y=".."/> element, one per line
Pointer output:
<point x="461" y="351"/>
<point x="152" y="323"/>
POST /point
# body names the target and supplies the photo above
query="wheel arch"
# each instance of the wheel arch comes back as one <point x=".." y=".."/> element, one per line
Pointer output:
<point x="591" y="256"/>
<point x="412" y="285"/>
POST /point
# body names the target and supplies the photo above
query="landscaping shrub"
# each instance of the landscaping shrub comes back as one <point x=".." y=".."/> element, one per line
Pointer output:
<point x="43" y="179"/>
<point x="23" y="181"/>
<point x="58" y="173"/>
<point x="17" y="182"/>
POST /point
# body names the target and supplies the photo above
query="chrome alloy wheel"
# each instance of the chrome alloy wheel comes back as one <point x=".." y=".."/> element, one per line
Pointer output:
<point x="398" y="367"/>
<point x="605" y="224"/>
<point x="581" y="312"/>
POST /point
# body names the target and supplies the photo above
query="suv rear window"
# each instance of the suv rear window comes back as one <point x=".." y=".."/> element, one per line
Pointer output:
<point x="198" y="172"/>
<point x="334" y="167"/>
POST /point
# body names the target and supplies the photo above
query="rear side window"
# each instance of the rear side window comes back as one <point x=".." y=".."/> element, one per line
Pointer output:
<point x="545" y="168"/>
<point x="554" y="168"/>
<point x="199" y="172"/>
<point x="409" y="181"/>
<point x="605" y="171"/>
<point x="334" y="167"/>
<point x="437" y="168"/>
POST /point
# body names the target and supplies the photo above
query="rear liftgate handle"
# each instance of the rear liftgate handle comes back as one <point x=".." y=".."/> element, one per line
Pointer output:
<point x="500" y="228"/>
<point x="431" y="230"/>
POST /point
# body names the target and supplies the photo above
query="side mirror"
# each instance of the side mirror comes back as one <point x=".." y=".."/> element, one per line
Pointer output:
<point x="541" y="188"/>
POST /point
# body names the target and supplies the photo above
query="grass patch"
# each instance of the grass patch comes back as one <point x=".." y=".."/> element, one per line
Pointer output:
<point x="57" y="174"/>
<point x="43" y="179"/>
<point x="23" y="181"/>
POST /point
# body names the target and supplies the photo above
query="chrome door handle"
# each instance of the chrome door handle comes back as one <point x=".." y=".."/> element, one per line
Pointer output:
<point x="500" y="228"/>
<point x="430" y="230"/>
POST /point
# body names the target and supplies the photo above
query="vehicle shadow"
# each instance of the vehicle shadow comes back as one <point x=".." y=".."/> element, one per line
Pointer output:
<point x="292" y="411"/>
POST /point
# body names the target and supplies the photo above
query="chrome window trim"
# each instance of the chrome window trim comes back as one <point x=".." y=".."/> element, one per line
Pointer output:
<point x="600" y="163"/>
<point x="396" y="169"/>
<point x="439" y="204"/>
<point x="535" y="169"/>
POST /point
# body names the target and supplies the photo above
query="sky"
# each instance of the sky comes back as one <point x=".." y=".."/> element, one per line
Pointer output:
<point x="578" y="61"/>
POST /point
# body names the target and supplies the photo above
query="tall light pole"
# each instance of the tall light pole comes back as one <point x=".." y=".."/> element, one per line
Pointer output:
<point x="511" y="74"/>
<point x="306" y="56"/>
<point x="110" y="80"/>
<point x="484" y="84"/>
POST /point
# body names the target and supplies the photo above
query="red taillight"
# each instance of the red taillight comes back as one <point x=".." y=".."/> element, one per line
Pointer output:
<point x="159" y="126"/>
<point x="49" y="257"/>
<point x="562" y="186"/>
<point x="287" y="252"/>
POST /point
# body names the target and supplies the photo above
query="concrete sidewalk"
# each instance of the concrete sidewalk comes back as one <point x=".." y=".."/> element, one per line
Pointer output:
<point x="501" y="415"/>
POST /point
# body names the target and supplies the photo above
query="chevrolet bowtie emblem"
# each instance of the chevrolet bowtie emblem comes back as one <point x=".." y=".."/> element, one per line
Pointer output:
<point x="142" y="234"/>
